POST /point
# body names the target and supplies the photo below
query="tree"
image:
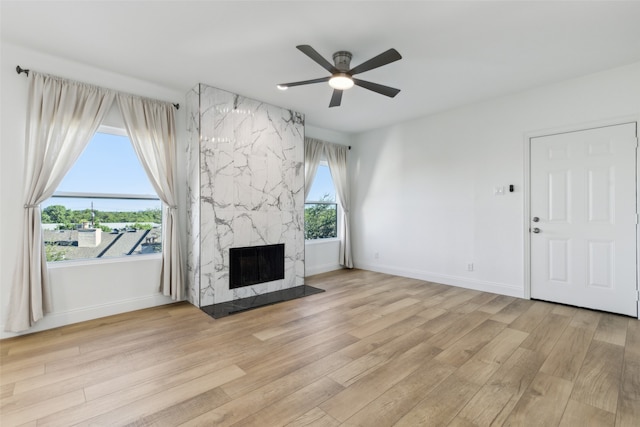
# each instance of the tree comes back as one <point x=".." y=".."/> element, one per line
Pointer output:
<point x="55" y="214"/>
<point x="54" y="253"/>
<point x="320" y="219"/>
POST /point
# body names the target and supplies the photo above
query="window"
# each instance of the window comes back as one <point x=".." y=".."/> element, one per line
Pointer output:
<point x="321" y="208"/>
<point x="105" y="206"/>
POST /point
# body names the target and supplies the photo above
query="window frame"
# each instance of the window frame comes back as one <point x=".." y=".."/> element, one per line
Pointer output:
<point x="325" y="163"/>
<point x="117" y="131"/>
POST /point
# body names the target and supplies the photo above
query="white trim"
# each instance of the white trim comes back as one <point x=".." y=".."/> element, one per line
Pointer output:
<point x="113" y="130"/>
<point x="461" y="282"/>
<point x="321" y="241"/>
<point x="52" y="265"/>
<point x="117" y="196"/>
<point x="319" y="269"/>
<point x="528" y="136"/>
<point x="55" y="320"/>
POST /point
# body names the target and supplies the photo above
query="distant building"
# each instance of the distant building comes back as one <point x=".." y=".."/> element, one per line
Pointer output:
<point x="94" y="243"/>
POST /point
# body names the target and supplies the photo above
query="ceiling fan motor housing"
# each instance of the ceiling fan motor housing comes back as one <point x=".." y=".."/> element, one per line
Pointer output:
<point x="342" y="60"/>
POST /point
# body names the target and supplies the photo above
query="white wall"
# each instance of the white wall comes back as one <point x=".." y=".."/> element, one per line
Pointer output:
<point x="423" y="202"/>
<point x="322" y="256"/>
<point x="79" y="292"/>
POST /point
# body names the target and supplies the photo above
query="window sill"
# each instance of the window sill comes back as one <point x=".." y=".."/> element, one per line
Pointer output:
<point x="95" y="261"/>
<point x="321" y="241"/>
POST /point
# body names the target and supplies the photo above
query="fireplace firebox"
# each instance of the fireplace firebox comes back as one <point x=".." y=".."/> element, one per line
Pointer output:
<point x="255" y="264"/>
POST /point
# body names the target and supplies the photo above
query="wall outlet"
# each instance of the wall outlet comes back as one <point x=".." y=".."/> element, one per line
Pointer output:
<point x="470" y="267"/>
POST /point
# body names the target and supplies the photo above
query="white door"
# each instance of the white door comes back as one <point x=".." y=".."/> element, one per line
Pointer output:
<point x="583" y="218"/>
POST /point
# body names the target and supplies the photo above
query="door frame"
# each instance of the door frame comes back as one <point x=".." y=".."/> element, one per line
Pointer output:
<point x="528" y="136"/>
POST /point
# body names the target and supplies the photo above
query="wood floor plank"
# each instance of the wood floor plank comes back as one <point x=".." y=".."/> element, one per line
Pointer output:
<point x="488" y="360"/>
<point x="628" y="411"/>
<point x="486" y="405"/>
<point x="565" y="360"/>
<point x="496" y="304"/>
<point x="612" y="329"/>
<point x="545" y="336"/>
<point x="6" y="391"/>
<point x="314" y="418"/>
<point x="503" y="389"/>
<point x="456" y="297"/>
<point x="543" y="403"/>
<point x="393" y="404"/>
<point x="386" y="320"/>
<point x="530" y="319"/>
<point x="183" y="411"/>
<point x="287" y="361"/>
<point x="139" y="407"/>
<point x="375" y="341"/>
<point x="632" y="344"/>
<point x="580" y="414"/>
<point x="443" y="321"/>
<point x="473" y="304"/>
<point x="377" y="358"/>
<point x="598" y="381"/>
<point x="373" y="350"/>
<point x="352" y="399"/>
<point x="467" y="346"/>
<point x="440" y="405"/>
<point x="458" y="329"/>
<point x="586" y="319"/>
<point x="33" y="412"/>
<point x="17" y="363"/>
<point x="238" y="409"/>
<point x="294" y="405"/>
<point x="13" y="376"/>
<point x="512" y="311"/>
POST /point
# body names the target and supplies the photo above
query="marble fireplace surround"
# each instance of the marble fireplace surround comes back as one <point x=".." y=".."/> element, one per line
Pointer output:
<point x="245" y="188"/>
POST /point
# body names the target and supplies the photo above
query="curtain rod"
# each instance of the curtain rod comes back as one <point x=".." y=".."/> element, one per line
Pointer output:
<point x="21" y="70"/>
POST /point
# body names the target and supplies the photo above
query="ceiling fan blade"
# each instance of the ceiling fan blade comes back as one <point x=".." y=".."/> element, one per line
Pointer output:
<point x="336" y="98"/>
<point x="311" y="53"/>
<point x="381" y="89"/>
<point x="304" y="82"/>
<point x="384" y="58"/>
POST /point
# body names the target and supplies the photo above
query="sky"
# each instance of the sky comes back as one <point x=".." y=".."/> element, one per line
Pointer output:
<point x="109" y="165"/>
<point x="322" y="184"/>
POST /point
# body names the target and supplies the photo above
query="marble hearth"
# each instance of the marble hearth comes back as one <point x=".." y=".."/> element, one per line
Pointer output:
<point x="246" y="188"/>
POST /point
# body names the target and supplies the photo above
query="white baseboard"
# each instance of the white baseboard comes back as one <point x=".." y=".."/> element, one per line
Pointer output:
<point x="57" y="319"/>
<point x="461" y="282"/>
<point x="318" y="269"/>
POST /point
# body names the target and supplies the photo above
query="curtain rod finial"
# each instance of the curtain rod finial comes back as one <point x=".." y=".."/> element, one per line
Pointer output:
<point x="21" y="70"/>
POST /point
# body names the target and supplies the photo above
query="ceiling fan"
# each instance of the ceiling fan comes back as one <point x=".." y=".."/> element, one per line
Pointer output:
<point x="341" y="77"/>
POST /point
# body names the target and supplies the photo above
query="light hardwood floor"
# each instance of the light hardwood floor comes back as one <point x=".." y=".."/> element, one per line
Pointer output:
<point x="374" y="350"/>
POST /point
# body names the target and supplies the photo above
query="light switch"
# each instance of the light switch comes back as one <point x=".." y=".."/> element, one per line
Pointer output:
<point x="499" y="191"/>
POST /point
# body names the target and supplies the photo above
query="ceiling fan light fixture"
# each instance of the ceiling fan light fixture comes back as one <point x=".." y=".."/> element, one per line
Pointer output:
<point x="341" y="81"/>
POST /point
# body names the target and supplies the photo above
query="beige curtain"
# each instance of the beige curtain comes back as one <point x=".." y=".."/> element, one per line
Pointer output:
<point x="151" y="128"/>
<point x="337" y="159"/>
<point x="62" y="117"/>
<point x="313" y="150"/>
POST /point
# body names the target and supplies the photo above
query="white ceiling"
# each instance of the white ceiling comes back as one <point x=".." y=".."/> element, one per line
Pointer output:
<point x="454" y="52"/>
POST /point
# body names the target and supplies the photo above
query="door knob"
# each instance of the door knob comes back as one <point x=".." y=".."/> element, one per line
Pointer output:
<point x="536" y="230"/>
<point x="536" y="219"/>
